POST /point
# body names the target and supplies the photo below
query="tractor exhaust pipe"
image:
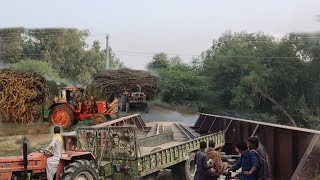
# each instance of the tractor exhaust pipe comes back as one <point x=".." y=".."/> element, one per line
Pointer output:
<point x="25" y="157"/>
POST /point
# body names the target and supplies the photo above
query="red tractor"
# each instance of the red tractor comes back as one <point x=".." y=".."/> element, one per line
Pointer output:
<point x="70" y="107"/>
<point x="33" y="166"/>
<point x="134" y="98"/>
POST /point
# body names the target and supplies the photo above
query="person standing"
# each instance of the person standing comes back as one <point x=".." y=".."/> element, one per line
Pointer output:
<point x="253" y="144"/>
<point x="57" y="147"/>
<point x="203" y="169"/>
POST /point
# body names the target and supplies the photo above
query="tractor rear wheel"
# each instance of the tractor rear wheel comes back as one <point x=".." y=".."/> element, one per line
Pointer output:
<point x="99" y="118"/>
<point x="185" y="170"/>
<point x="61" y="115"/>
<point x="80" y="170"/>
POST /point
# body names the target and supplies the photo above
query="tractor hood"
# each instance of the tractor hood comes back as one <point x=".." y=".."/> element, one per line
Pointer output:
<point x="35" y="156"/>
<point x="36" y="163"/>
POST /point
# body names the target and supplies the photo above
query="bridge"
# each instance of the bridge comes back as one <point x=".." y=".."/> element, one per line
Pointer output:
<point x="293" y="153"/>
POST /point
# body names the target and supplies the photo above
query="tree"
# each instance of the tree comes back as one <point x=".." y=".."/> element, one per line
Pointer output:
<point x="256" y="73"/>
<point x="65" y="49"/>
<point x="43" y="68"/>
<point x="10" y="44"/>
<point x="230" y="58"/>
<point x="180" y="84"/>
<point x="159" y="61"/>
<point x="175" y="60"/>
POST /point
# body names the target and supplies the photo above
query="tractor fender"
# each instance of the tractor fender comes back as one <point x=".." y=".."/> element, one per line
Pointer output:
<point x="67" y="104"/>
<point x="55" y="104"/>
<point x="71" y="156"/>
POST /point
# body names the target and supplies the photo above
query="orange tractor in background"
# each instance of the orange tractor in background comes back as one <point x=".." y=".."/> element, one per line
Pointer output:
<point x="72" y="105"/>
<point x="134" y="99"/>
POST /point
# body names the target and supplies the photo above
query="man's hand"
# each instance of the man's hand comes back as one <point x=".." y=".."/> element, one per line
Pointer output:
<point x="212" y="170"/>
<point x="247" y="173"/>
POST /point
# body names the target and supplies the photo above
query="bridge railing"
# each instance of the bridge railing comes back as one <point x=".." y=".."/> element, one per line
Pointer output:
<point x="293" y="153"/>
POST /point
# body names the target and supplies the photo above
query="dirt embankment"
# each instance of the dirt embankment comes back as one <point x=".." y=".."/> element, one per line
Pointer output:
<point x="11" y="129"/>
<point x="11" y="137"/>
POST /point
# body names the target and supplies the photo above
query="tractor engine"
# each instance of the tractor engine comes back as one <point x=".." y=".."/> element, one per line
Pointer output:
<point x="17" y="167"/>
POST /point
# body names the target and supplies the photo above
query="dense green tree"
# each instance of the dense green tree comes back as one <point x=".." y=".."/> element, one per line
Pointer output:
<point x="63" y="49"/>
<point x="10" y="44"/>
<point x="255" y="73"/>
<point x="40" y="67"/>
<point x="159" y="61"/>
<point x="175" y="60"/>
<point x="180" y="84"/>
<point x="251" y="75"/>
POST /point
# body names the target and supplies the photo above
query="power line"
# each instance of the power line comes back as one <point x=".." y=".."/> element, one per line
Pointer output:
<point x="8" y="39"/>
<point x="151" y="55"/>
<point x="40" y="31"/>
<point x="259" y="58"/>
<point x="133" y="53"/>
<point x="46" y="37"/>
<point x="57" y="31"/>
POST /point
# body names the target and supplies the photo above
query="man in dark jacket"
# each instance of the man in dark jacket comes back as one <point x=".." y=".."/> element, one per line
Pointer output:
<point x="253" y="144"/>
<point x="201" y="160"/>
<point x="248" y="161"/>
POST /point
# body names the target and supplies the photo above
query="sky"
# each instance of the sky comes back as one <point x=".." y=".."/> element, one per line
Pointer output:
<point x="140" y="28"/>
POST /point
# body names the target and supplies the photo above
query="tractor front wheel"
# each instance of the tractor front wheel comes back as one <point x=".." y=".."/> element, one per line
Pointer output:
<point x="80" y="170"/>
<point x="99" y="118"/>
<point x="62" y="116"/>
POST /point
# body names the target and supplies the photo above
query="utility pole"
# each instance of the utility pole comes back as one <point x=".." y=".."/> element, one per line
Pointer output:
<point x="107" y="53"/>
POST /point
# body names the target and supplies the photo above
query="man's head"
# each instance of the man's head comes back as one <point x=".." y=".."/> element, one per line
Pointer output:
<point x="56" y="130"/>
<point x="203" y="145"/>
<point x="253" y="143"/>
<point x="116" y="139"/>
<point x="212" y="144"/>
<point x="242" y="147"/>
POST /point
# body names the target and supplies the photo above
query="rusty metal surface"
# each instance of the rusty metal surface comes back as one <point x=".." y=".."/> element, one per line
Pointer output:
<point x="204" y="116"/>
<point x="133" y="120"/>
<point x="287" y="147"/>
<point x="297" y="174"/>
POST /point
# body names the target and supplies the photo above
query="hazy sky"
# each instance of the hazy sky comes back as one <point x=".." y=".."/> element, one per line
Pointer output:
<point x="139" y="28"/>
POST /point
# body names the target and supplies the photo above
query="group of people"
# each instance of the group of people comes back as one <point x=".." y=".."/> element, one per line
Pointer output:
<point x="253" y="162"/>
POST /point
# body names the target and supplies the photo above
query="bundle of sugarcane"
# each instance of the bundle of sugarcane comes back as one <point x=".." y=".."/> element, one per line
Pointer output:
<point x="22" y="96"/>
<point x="115" y="82"/>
